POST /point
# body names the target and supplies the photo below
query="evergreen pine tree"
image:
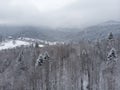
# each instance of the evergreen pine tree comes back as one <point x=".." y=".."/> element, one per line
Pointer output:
<point x="112" y="55"/>
<point x="110" y="37"/>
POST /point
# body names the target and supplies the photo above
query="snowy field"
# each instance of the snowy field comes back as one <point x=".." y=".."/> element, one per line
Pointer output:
<point x="9" y="44"/>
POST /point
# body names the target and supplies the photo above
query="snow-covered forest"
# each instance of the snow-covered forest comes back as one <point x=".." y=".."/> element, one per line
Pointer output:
<point x="59" y="44"/>
<point x="85" y="65"/>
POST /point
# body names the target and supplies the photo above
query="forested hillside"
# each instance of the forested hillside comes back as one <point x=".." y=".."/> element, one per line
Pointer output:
<point x="85" y="65"/>
<point x="92" y="32"/>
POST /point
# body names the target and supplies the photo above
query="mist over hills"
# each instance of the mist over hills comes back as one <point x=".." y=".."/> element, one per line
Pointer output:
<point x="99" y="31"/>
<point x="62" y="34"/>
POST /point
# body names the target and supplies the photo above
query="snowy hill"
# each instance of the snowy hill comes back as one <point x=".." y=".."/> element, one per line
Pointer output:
<point x="98" y="31"/>
<point x="9" y="44"/>
<point x="24" y="41"/>
<point x="44" y="42"/>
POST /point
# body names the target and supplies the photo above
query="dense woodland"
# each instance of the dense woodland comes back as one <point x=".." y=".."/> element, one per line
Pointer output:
<point x="86" y="65"/>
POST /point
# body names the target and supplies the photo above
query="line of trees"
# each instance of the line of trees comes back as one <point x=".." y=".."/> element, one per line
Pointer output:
<point x="75" y="66"/>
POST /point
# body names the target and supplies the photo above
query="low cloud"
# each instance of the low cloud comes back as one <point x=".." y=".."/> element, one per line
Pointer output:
<point x="58" y="13"/>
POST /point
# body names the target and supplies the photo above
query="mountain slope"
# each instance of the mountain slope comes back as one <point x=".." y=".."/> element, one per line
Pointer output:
<point x="99" y="31"/>
<point x="62" y="34"/>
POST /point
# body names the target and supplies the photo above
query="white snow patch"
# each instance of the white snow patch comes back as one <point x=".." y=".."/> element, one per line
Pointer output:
<point x="40" y="41"/>
<point x="85" y="82"/>
<point x="12" y="44"/>
<point x="23" y="41"/>
<point x="41" y="45"/>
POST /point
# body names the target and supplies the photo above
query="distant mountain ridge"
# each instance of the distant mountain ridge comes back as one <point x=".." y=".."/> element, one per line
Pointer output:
<point x="99" y="31"/>
<point x="62" y="34"/>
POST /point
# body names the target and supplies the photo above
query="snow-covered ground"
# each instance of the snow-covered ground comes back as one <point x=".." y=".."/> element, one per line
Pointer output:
<point x="9" y="44"/>
<point x="22" y="41"/>
<point x="40" y="41"/>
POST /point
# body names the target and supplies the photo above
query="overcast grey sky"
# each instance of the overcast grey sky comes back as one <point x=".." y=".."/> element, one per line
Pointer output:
<point x="58" y="13"/>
